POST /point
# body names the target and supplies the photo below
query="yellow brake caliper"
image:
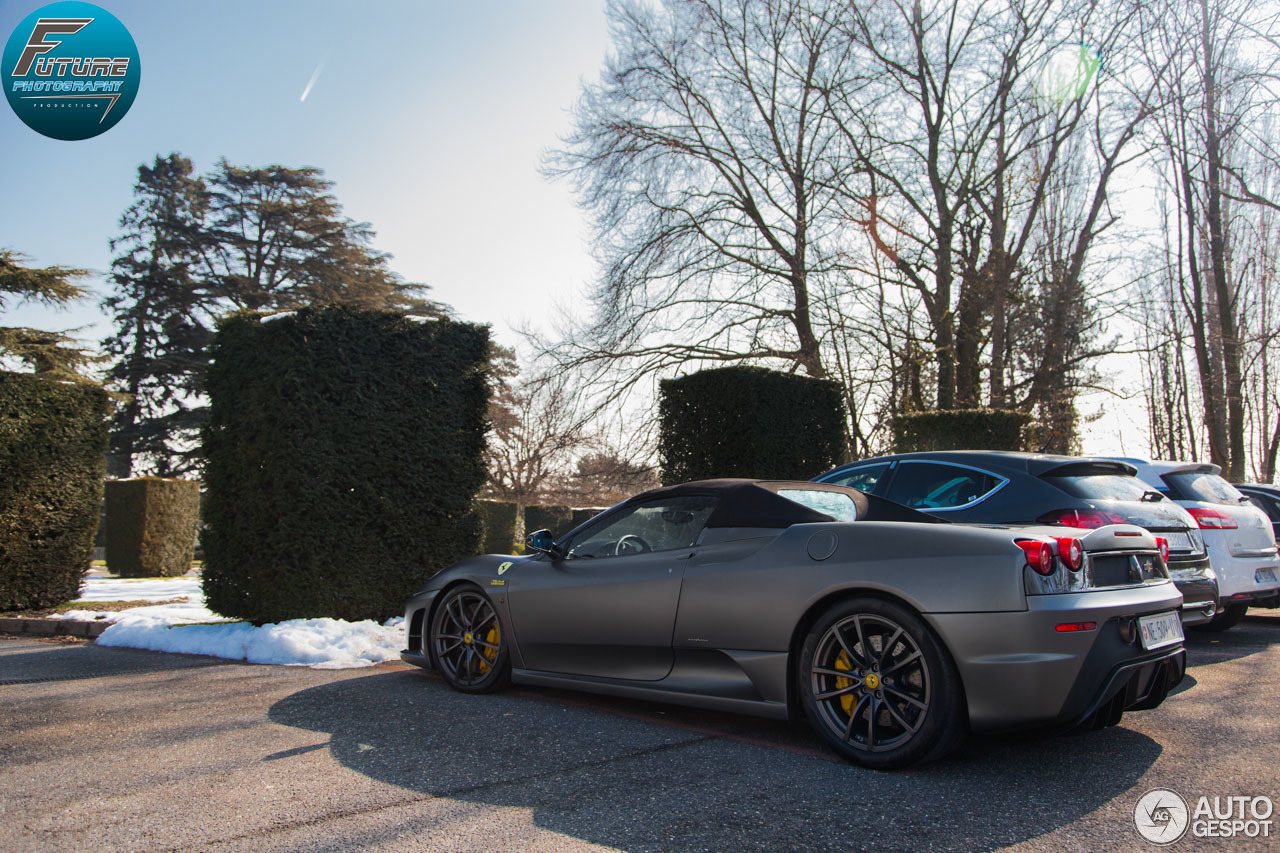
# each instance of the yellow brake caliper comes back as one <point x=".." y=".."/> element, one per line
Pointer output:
<point x="489" y="654"/>
<point x="843" y="663"/>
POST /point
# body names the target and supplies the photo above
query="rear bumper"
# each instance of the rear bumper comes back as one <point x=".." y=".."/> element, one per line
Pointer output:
<point x="1020" y="672"/>
<point x="1266" y="598"/>
<point x="1199" y="600"/>
<point x="1198" y="584"/>
<point x="1238" y="576"/>
<point x="1138" y="685"/>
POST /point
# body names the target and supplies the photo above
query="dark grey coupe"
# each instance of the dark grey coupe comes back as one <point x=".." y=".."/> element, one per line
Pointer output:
<point x="894" y="634"/>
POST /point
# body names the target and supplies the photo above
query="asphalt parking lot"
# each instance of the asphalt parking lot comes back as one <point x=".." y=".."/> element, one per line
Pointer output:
<point x="116" y="749"/>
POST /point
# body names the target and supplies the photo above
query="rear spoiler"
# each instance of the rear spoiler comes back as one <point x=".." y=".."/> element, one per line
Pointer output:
<point x="1195" y="468"/>
<point x="1081" y="468"/>
<point x="1177" y="467"/>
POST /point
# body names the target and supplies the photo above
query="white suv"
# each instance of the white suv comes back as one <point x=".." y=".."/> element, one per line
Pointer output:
<point x="1237" y="535"/>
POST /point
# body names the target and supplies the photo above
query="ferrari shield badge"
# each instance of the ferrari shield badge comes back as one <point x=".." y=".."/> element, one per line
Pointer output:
<point x="502" y="569"/>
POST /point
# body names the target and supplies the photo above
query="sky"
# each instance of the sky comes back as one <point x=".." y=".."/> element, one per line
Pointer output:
<point x="432" y="118"/>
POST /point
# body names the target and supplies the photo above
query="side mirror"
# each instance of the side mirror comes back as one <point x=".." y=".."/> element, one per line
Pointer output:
<point x="542" y="542"/>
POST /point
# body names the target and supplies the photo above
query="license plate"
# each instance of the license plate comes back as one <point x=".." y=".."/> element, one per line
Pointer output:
<point x="1264" y="576"/>
<point x="1160" y="629"/>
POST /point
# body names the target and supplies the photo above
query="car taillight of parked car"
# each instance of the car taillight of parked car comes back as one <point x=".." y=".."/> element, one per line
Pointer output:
<point x="1211" y="519"/>
<point x="1071" y="552"/>
<point x="1039" y="555"/>
<point x="1163" y="545"/>
<point x="1088" y="519"/>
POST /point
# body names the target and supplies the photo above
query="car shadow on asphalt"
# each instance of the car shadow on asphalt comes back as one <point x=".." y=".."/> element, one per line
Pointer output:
<point x="641" y="776"/>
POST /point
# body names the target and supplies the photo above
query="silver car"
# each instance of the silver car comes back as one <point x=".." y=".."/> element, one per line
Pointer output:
<point x="1237" y="535"/>
<point x="895" y="634"/>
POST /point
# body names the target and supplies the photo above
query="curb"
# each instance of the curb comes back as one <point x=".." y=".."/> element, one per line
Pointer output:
<point x="52" y="627"/>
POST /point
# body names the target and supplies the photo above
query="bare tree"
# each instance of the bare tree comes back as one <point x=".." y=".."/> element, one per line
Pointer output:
<point x="539" y="426"/>
<point x="1217" y="157"/>
<point x="606" y="476"/>
<point x="707" y="156"/>
<point x="915" y="198"/>
<point x="960" y="142"/>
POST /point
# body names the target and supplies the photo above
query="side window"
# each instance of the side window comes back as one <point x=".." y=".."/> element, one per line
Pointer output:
<point x="863" y="478"/>
<point x="659" y="525"/>
<point x="931" y="485"/>
<point x="1266" y="504"/>
<point x="838" y="506"/>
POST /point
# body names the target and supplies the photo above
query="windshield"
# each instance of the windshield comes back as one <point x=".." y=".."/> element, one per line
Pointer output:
<point x="1116" y="487"/>
<point x="663" y="524"/>
<point x="1209" y="488"/>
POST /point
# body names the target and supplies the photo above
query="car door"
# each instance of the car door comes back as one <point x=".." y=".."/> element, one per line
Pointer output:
<point x="608" y="608"/>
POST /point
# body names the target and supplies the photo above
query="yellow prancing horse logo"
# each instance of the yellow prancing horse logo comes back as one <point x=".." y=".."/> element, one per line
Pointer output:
<point x="503" y="568"/>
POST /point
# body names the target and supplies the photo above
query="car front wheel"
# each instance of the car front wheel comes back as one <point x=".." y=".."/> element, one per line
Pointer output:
<point x="466" y="642"/>
<point x="878" y="686"/>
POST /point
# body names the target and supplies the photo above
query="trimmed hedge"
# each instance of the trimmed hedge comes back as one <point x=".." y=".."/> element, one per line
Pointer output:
<point x="53" y="445"/>
<point x="343" y="456"/>
<point x="749" y="422"/>
<point x="498" y="519"/>
<point x="959" y="429"/>
<point x="151" y="526"/>
<point x="557" y="519"/>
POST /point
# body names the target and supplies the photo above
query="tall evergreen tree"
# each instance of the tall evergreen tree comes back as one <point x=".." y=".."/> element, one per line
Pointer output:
<point x="161" y="313"/>
<point x="276" y="238"/>
<point x="55" y="354"/>
<point x="194" y="248"/>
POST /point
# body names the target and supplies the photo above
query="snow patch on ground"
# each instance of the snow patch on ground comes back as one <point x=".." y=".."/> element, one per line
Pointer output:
<point x="188" y="627"/>
<point x="318" y="643"/>
<point x="139" y="589"/>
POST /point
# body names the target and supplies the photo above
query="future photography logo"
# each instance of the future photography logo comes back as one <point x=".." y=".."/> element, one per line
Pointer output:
<point x="1163" y="817"/>
<point x="70" y="70"/>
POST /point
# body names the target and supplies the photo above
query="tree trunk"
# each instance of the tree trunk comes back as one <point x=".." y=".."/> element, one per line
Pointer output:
<point x="1217" y="259"/>
<point x="942" y="318"/>
<point x="809" y="352"/>
<point x="969" y="324"/>
<point x="1210" y="394"/>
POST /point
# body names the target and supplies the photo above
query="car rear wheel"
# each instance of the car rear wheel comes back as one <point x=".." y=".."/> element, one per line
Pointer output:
<point x="1228" y="617"/>
<point x="466" y="643"/>
<point x="878" y="686"/>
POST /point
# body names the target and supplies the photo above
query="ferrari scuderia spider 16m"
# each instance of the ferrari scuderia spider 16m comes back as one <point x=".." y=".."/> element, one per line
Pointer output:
<point x="893" y="633"/>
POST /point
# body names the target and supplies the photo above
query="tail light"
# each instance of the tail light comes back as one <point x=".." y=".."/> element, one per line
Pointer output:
<point x="1084" y="518"/>
<point x="1163" y="545"/>
<point x="1212" y="519"/>
<point x="1071" y="551"/>
<point x="1039" y="555"/>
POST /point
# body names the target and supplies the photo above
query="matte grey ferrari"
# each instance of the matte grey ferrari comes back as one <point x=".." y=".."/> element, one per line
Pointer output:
<point x="893" y="633"/>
